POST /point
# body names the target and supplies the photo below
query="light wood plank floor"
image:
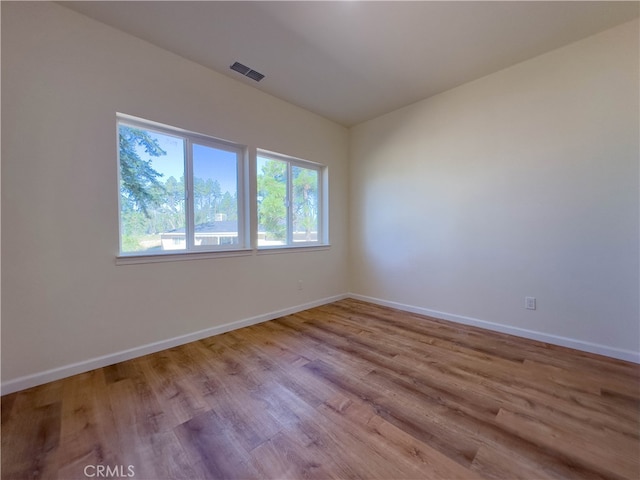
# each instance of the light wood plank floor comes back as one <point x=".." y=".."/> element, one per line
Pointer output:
<point x="347" y="390"/>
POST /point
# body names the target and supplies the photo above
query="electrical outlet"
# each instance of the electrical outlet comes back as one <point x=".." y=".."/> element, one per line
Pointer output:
<point x="299" y="284"/>
<point x="530" y="303"/>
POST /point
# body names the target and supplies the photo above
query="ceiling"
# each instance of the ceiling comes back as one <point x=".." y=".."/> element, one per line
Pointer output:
<point x="351" y="61"/>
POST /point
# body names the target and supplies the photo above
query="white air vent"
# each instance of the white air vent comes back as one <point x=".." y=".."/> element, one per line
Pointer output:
<point x="246" y="71"/>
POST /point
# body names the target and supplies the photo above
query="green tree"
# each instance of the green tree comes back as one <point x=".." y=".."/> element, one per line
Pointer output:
<point x="139" y="185"/>
<point x="272" y="195"/>
<point x="305" y="200"/>
<point x="206" y="195"/>
<point x="229" y="206"/>
<point x="172" y="208"/>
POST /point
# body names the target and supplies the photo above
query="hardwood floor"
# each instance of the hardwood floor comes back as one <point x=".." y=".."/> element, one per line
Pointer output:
<point x="346" y="390"/>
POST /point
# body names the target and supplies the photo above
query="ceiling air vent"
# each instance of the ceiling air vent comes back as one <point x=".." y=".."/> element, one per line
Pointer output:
<point x="257" y="76"/>
<point x="240" y="68"/>
<point x="246" y="71"/>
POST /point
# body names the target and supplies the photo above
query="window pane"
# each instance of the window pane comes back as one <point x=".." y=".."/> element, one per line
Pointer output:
<point x="152" y="194"/>
<point x="215" y="196"/>
<point x="305" y="204"/>
<point x="272" y="202"/>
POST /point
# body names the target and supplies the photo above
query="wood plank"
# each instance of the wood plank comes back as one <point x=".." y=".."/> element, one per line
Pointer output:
<point x="424" y="461"/>
<point x="87" y="425"/>
<point x="598" y="450"/>
<point x="207" y="442"/>
<point x="31" y="439"/>
<point x="425" y="425"/>
<point x="493" y="463"/>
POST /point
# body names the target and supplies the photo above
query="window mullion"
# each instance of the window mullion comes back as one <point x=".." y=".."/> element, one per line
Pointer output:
<point x="289" y="204"/>
<point x="189" y="197"/>
<point x="320" y="207"/>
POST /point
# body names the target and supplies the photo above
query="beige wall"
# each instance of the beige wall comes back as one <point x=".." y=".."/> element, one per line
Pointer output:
<point x="64" y="77"/>
<point x="522" y="183"/>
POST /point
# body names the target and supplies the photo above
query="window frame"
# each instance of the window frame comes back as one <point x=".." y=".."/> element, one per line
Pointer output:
<point x="322" y="207"/>
<point x="189" y="138"/>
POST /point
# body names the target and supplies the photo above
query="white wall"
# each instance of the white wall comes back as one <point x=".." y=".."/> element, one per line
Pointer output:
<point x="64" y="77"/>
<point x="522" y="183"/>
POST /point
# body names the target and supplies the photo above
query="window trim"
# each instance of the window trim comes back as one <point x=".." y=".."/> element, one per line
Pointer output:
<point x="322" y="171"/>
<point x="181" y="257"/>
<point x="191" y="250"/>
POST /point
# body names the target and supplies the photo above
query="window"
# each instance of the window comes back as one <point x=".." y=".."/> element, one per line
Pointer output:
<point x="179" y="191"/>
<point x="289" y="201"/>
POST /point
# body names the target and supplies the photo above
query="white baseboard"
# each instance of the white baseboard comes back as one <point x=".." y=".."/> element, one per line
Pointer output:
<point x="35" y="379"/>
<point x="628" y="355"/>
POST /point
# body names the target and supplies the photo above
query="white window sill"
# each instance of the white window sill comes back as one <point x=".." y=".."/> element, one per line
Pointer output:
<point x="188" y="256"/>
<point x="292" y="248"/>
<point x="180" y="257"/>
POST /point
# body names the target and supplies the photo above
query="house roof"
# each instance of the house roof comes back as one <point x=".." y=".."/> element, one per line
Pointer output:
<point x="225" y="226"/>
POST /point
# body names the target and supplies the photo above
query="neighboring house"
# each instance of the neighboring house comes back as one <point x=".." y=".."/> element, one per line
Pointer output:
<point x="223" y="232"/>
<point x="212" y="233"/>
